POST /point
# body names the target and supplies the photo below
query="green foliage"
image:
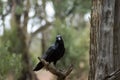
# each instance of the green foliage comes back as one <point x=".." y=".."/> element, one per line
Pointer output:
<point x="76" y="40"/>
<point x="10" y="63"/>
<point x="1" y="8"/>
<point x="10" y="49"/>
<point x="19" y="9"/>
<point x="12" y="36"/>
<point x="83" y="6"/>
<point x="64" y="6"/>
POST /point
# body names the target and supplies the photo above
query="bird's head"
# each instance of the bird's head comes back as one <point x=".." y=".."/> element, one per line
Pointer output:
<point x="59" y="42"/>
<point x="59" y="38"/>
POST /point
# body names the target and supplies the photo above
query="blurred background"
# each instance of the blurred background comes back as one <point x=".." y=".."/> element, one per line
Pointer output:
<point x="29" y="27"/>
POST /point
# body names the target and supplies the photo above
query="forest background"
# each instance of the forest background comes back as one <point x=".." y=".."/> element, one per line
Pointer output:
<point x="29" y="27"/>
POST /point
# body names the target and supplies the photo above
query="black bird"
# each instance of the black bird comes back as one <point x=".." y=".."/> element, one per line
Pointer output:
<point x="53" y="54"/>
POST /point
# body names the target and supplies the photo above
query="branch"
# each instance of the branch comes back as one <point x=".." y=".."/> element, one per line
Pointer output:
<point x="41" y="29"/>
<point x="113" y="74"/>
<point x="61" y="75"/>
<point x="75" y="4"/>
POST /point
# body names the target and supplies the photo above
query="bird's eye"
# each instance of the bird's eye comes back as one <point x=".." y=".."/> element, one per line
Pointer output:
<point x="59" y="38"/>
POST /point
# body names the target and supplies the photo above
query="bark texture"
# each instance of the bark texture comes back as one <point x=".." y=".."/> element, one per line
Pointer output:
<point x="116" y="49"/>
<point x="102" y="39"/>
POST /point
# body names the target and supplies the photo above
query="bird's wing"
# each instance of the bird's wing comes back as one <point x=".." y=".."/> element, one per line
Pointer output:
<point x="49" y="52"/>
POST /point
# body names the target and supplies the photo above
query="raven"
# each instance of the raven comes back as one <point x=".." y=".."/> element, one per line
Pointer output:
<point x="53" y="54"/>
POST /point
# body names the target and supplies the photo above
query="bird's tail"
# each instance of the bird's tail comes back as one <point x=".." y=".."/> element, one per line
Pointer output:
<point x="38" y="67"/>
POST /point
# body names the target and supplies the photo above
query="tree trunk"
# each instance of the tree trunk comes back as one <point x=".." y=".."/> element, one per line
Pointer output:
<point x="21" y="32"/>
<point x="27" y="73"/>
<point x="102" y="39"/>
<point x="116" y="42"/>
